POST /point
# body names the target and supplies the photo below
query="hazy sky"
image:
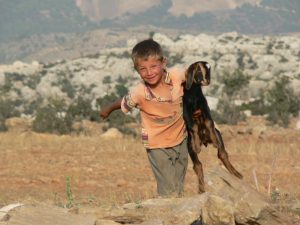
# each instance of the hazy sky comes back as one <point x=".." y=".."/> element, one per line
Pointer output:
<point x="102" y="9"/>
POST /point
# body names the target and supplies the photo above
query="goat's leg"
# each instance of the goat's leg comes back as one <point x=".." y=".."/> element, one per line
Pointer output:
<point x="195" y="139"/>
<point x="223" y="156"/>
<point x="197" y="166"/>
<point x="217" y="140"/>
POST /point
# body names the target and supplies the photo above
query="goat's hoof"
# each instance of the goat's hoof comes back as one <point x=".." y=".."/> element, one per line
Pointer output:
<point x="238" y="175"/>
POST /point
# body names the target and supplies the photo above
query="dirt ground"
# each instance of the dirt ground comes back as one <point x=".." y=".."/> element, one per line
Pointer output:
<point x="103" y="171"/>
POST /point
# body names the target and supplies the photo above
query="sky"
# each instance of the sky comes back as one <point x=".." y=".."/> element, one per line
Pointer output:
<point x="98" y="10"/>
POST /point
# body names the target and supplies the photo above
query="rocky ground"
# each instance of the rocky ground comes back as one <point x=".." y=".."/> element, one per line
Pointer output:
<point x="93" y="178"/>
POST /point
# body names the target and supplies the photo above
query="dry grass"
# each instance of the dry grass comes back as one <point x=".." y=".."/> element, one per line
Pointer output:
<point x="34" y="167"/>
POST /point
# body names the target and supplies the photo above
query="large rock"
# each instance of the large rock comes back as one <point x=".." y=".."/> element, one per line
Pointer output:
<point x="250" y="207"/>
<point x="112" y="133"/>
<point x="4" y="210"/>
<point x="218" y="211"/>
<point x="47" y="215"/>
<point x="228" y="201"/>
<point x="18" y="125"/>
<point x="169" y="211"/>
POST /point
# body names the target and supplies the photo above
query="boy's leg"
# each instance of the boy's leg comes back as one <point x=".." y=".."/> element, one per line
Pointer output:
<point x="169" y="167"/>
<point x="181" y="166"/>
<point x="163" y="169"/>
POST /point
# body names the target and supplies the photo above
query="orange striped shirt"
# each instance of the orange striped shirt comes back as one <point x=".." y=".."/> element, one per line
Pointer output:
<point x="161" y="118"/>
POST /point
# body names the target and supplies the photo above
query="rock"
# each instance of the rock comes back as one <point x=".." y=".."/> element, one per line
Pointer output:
<point x="112" y="133"/>
<point x="18" y="125"/>
<point x="88" y="127"/>
<point x="153" y="222"/>
<point x="4" y="210"/>
<point x="47" y="215"/>
<point x="169" y="211"/>
<point x="218" y="211"/>
<point x="244" y="130"/>
<point x="106" y="222"/>
<point x="259" y="130"/>
<point x="250" y="207"/>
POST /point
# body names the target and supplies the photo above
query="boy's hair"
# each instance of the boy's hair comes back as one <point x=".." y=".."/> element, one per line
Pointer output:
<point x="144" y="49"/>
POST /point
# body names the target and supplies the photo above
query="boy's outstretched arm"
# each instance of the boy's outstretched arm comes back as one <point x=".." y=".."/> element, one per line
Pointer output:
<point x="104" y="113"/>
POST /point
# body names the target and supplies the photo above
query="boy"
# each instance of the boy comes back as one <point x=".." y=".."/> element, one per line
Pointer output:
<point x="159" y="98"/>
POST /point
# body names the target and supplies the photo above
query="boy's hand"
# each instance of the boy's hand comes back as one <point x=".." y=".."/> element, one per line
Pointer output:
<point x="104" y="113"/>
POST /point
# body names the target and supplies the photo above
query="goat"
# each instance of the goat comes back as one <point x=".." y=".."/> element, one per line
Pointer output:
<point x="200" y="125"/>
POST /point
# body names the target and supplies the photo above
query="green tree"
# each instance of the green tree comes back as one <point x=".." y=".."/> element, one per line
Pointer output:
<point x="234" y="82"/>
<point x="53" y="118"/>
<point x="82" y="109"/>
<point x="107" y="81"/>
<point x="281" y="102"/>
<point x="121" y="90"/>
<point x="7" y="110"/>
<point x="227" y="111"/>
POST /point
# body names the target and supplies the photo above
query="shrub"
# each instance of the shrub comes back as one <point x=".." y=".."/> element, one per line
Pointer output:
<point x="121" y="90"/>
<point x="82" y="109"/>
<point x="278" y="102"/>
<point x="281" y="102"/>
<point x="116" y="119"/>
<point x="258" y="106"/>
<point x="227" y="112"/>
<point x="53" y="118"/>
<point x="234" y="82"/>
<point x="7" y="110"/>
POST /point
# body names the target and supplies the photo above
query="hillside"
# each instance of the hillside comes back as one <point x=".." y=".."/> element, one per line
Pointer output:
<point x="265" y="59"/>
<point x="51" y="30"/>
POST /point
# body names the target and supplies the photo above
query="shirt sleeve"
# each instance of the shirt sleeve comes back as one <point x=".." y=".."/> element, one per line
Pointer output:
<point x="130" y="101"/>
<point x="177" y="76"/>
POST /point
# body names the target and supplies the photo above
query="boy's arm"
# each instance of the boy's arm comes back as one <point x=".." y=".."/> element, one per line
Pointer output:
<point x="104" y="113"/>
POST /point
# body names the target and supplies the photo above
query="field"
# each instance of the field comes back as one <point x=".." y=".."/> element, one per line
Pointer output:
<point x="96" y="171"/>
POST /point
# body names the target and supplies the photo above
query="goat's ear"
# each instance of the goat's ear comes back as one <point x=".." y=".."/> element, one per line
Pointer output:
<point x="205" y="70"/>
<point x="189" y="76"/>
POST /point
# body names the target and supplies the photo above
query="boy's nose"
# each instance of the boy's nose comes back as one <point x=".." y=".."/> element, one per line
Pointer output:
<point x="147" y="71"/>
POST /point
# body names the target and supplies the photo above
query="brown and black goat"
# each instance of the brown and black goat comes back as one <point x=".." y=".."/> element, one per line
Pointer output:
<point x="200" y="125"/>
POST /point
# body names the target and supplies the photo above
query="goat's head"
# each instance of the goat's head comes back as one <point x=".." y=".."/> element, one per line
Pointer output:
<point x="197" y="73"/>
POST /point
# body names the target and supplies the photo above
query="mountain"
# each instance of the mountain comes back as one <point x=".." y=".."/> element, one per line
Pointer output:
<point x="266" y="16"/>
<point x="52" y="29"/>
<point x="21" y="19"/>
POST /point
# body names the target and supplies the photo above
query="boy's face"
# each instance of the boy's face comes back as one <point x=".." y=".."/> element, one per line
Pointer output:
<point x="151" y="70"/>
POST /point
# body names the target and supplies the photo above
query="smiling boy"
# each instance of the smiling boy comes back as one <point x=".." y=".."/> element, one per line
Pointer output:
<point x="159" y="98"/>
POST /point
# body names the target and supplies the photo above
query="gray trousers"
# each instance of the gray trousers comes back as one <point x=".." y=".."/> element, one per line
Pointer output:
<point x="169" y="166"/>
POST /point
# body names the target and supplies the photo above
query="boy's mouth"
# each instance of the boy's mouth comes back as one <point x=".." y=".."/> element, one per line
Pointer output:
<point x="151" y="78"/>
